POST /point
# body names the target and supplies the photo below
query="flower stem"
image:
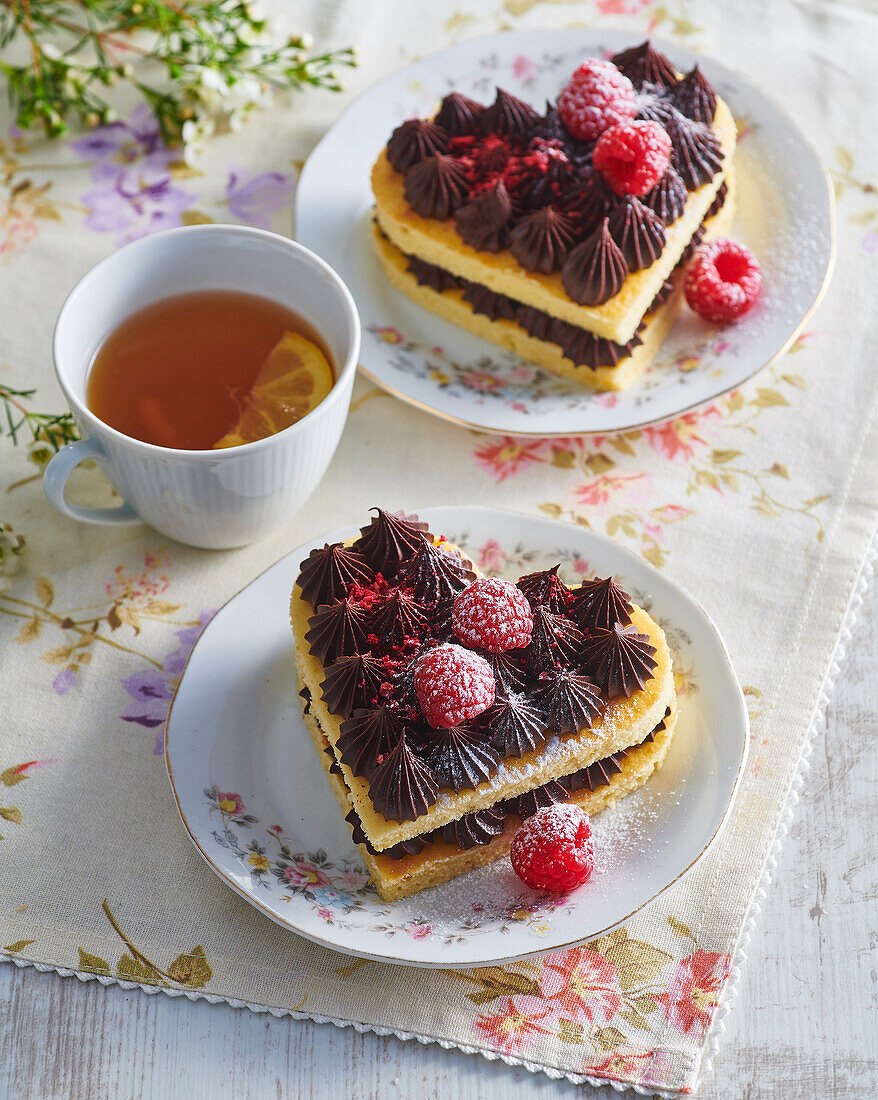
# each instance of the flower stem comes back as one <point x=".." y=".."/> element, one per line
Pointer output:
<point x="139" y="955"/>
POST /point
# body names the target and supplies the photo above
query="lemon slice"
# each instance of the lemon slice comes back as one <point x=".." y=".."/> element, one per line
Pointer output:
<point x="291" y="382"/>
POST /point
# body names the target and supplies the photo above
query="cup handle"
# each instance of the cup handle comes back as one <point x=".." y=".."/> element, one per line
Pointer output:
<point x="55" y="478"/>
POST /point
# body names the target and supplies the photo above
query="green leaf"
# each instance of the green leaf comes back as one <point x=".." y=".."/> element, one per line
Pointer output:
<point x="60" y="655"/>
<point x="11" y="776"/>
<point x="603" y="944"/>
<point x="10" y="813"/>
<point x="93" y="963"/>
<point x="196" y="217"/>
<point x="45" y="591"/>
<point x="621" y="444"/>
<point x="706" y="477"/>
<point x="637" y="963"/>
<point x="812" y="502"/>
<point x="153" y="606"/>
<point x="30" y="631"/>
<point x="683" y="27"/>
<point x="19" y="945"/>
<point x="764" y="507"/>
<point x="678" y="926"/>
<point x="633" y="1017"/>
<point x="563" y="458"/>
<point x="608" y="1038"/>
<point x="570" y="1032"/>
<point x="550" y="509"/>
<point x="599" y="463"/>
<point x="779" y="470"/>
<point x="720" y="456"/>
<point x="845" y="158"/>
<point x="192" y="970"/>
<point x="644" y="1003"/>
<point x="499" y="982"/>
<point x="133" y="970"/>
<point x="795" y="379"/>
<point x="655" y="556"/>
<point x="765" y="398"/>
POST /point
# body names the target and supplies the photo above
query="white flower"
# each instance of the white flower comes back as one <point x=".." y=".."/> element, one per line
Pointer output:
<point x="51" y="51"/>
<point x="245" y="92"/>
<point x="211" y="89"/>
<point x="255" y="11"/>
<point x="194" y="134"/>
<point x="11" y="548"/>
<point x="40" y="452"/>
<point x="212" y="80"/>
<point x="252" y="56"/>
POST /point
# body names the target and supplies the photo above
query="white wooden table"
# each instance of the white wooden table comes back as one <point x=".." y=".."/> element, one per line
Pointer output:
<point x="805" y="1024"/>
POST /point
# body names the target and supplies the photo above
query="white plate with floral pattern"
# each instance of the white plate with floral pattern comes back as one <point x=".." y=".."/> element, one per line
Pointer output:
<point x="256" y="802"/>
<point x="438" y="367"/>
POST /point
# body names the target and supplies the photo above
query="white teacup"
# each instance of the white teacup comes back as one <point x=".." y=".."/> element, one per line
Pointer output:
<point x="213" y="499"/>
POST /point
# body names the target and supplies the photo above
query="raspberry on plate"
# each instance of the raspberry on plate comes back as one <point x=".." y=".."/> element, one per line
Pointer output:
<point x="553" y="850"/>
<point x="453" y="685"/>
<point x="723" y="280"/>
<point x="597" y="97"/>
<point x="492" y="614"/>
<point x="634" y="157"/>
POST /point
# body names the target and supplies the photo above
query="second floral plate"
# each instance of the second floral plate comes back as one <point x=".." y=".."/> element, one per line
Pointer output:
<point x="437" y="367"/>
<point x="256" y="802"/>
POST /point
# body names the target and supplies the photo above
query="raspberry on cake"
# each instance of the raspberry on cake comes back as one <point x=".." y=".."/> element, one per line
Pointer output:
<point x="598" y="96"/>
<point x="492" y="614"/>
<point x="453" y="685"/>
<point x="560" y="236"/>
<point x="633" y="158"/>
<point x="448" y="708"/>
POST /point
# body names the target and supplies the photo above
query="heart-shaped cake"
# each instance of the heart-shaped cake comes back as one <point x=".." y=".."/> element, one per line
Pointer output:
<point x="561" y="233"/>
<point x="447" y="707"/>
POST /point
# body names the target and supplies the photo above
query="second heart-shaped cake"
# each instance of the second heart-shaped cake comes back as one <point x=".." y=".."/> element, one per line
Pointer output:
<point x="445" y="703"/>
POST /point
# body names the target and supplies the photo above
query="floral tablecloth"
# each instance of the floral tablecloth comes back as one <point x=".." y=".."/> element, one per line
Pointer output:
<point x="762" y="504"/>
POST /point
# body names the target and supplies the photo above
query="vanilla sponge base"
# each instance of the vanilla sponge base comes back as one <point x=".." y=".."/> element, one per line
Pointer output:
<point x="451" y="306"/>
<point x="439" y="862"/>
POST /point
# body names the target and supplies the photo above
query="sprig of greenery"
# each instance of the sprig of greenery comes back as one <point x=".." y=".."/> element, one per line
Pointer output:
<point x="48" y="431"/>
<point x="209" y="58"/>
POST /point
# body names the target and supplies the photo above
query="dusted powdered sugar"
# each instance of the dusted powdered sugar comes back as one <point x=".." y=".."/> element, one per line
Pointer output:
<point x="555" y="825"/>
<point x="493" y="614"/>
<point x="453" y="685"/>
<point x="552" y="850"/>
